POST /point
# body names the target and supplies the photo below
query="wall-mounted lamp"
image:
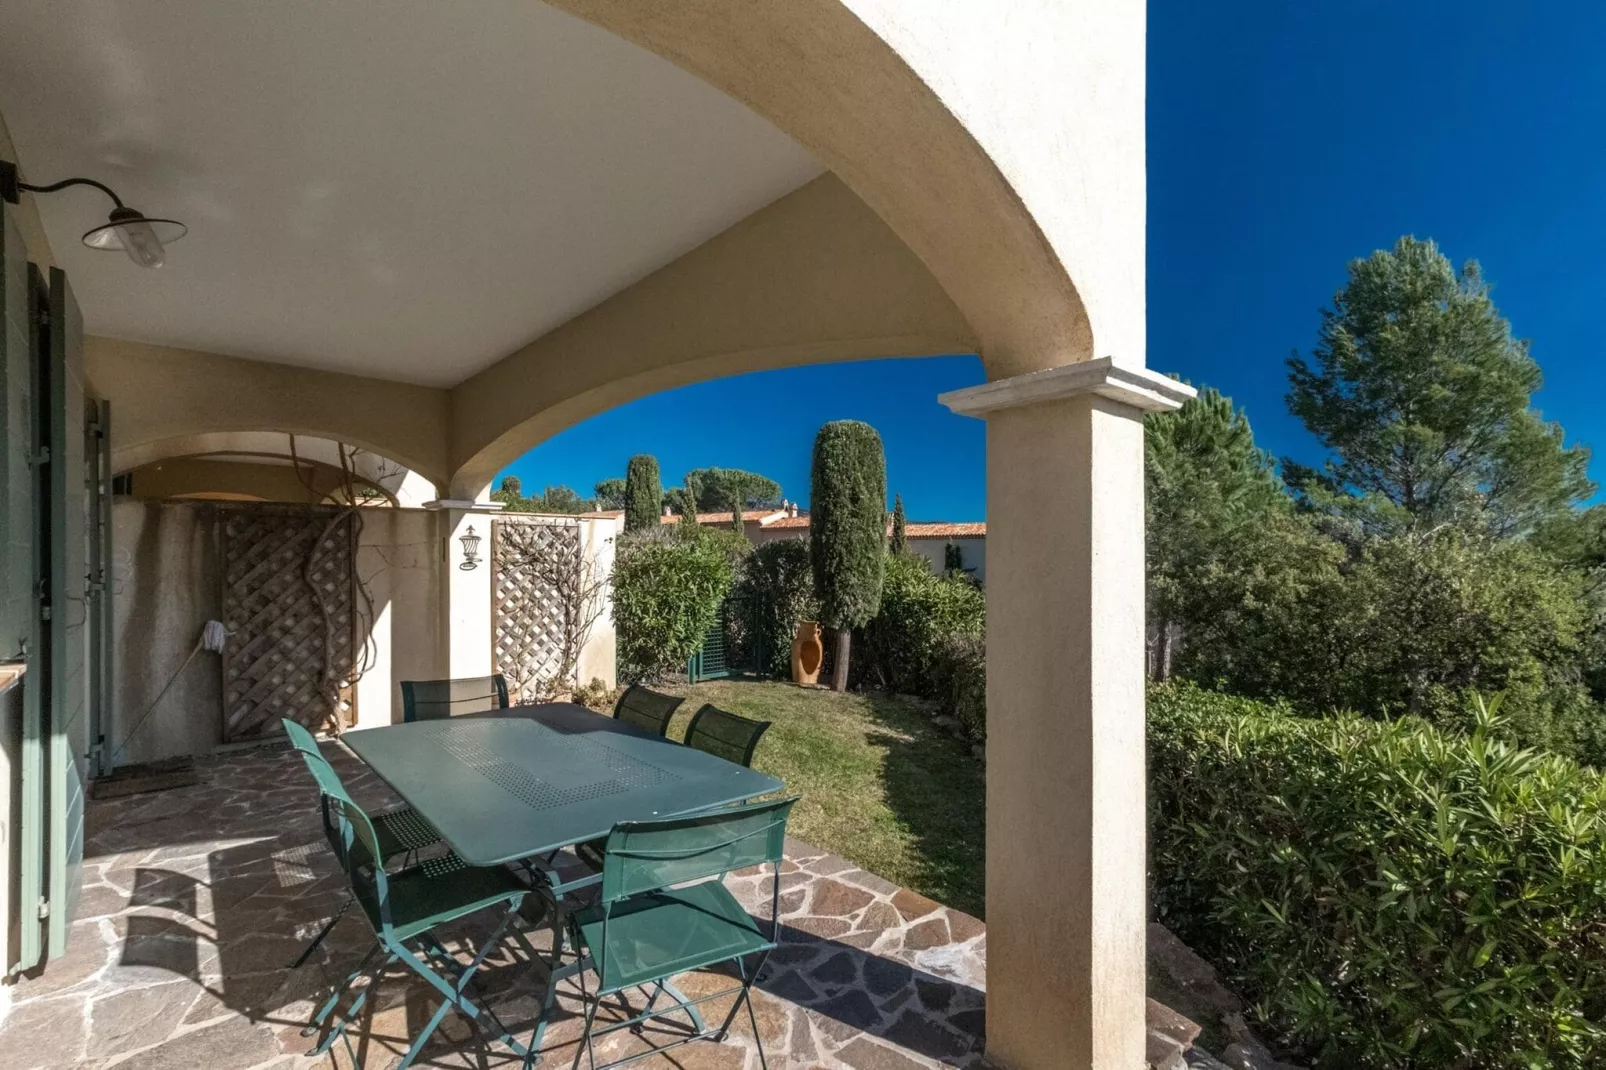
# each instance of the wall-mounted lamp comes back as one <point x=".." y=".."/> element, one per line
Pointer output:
<point x="128" y="229"/>
<point x="471" y="550"/>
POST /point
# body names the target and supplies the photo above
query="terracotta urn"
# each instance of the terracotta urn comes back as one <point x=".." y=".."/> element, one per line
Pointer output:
<point x="807" y="653"/>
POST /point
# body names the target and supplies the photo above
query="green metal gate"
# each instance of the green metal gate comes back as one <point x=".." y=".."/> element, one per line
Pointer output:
<point x="733" y="644"/>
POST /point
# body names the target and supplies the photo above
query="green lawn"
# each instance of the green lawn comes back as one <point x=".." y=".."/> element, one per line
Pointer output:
<point x="879" y="784"/>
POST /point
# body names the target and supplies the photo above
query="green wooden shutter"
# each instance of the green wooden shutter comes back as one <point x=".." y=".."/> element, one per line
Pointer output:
<point x="20" y="634"/>
<point x="69" y="634"/>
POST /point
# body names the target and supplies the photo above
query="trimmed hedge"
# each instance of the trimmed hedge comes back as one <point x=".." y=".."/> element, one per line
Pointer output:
<point x="778" y="583"/>
<point x="666" y="594"/>
<point x="1392" y="895"/>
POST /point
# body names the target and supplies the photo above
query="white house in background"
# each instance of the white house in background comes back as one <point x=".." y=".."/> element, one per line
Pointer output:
<point x="930" y="540"/>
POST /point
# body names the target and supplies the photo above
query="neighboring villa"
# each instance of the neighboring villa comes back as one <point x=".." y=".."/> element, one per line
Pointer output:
<point x="930" y="540"/>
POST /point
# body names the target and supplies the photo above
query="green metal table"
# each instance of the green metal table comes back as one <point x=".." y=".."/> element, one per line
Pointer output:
<point x="515" y="784"/>
<point x="530" y="780"/>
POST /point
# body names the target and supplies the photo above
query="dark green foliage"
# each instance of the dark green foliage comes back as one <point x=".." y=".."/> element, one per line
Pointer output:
<point x="643" y="493"/>
<point x="953" y="557"/>
<point x="959" y="681"/>
<point x="675" y="499"/>
<point x="899" y="544"/>
<point x="1420" y="391"/>
<point x="738" y="523"/>
<point x="688" y="512"/>
<point x="847" y="522"/>
<point x="610" y="493"/>
<point x="1388" y="894"/>
<point x="1206" y="485"/>
<point x="919" y="610"/>
<point x="666" y="595"/>
<point x="777" y="582"/>
<point x="557" y="499"/>
<point x="722" y="490"/>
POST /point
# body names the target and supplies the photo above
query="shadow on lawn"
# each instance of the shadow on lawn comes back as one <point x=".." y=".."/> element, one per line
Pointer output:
<point x="937" y="790"/>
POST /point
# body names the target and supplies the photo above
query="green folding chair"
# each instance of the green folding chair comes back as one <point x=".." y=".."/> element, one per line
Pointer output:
<point x="650" y="922"/>
<point x="646" y="709"/>
<point x="429" y="700"/>
<point x="404" y="910"/>
<point x="725" y="735"/>
<point x="402" y="832"/>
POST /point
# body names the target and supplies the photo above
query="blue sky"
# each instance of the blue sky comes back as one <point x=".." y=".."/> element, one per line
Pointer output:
<point x="1285" y="139"/>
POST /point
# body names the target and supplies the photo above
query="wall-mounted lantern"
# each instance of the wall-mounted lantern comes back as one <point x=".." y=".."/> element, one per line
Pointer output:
<point x="471" y="550"/>
<point x="144" y="239"/>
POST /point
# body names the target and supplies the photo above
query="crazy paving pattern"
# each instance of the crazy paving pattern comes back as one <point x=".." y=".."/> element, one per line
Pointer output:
<point x="197" y="899"/>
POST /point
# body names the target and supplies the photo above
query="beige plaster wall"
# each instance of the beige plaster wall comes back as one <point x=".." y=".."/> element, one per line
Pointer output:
<point x="401" y="563"/>
<point x="814" y="277"/>
<point x="158" y="392"/>
<point x="165" y="587"/>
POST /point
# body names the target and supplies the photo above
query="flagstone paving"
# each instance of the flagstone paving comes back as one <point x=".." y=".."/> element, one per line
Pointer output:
<point x="196" y="899"/>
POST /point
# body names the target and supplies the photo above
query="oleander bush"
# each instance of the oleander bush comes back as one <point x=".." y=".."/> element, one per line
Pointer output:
<point x="667" y="589"/>
<point x="919" y="610"/>
<point x="1389" y="894"/>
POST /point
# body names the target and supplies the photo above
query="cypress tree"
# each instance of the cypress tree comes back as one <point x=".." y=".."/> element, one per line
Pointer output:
<point x="900" y="537"/>
<point x="738" y="522"/>
<point x="688" y="518"/>
<point x="644" y="493"/>
<point x="848" y="530"/>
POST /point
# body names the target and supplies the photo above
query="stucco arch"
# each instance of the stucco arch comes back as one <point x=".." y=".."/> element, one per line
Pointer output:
<point x="1002" y="143"/>
<point x="160" y="394"/>
<point x="814" y="277"/>
<point x="254" y="448"/>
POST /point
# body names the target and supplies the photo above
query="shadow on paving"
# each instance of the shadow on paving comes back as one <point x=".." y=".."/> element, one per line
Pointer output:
<point x="227" y="881"/>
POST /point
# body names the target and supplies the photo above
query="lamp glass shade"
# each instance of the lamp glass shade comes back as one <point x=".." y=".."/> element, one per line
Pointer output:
<point x="141" y="238"/>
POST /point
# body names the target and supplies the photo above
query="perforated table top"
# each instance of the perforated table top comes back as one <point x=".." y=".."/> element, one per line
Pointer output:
<point x="510" y="784"/>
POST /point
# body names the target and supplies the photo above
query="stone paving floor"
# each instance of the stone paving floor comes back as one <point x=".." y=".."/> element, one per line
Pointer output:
<point x="196" y="900"/>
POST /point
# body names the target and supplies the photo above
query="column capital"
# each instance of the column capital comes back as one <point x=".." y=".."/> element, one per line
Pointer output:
<point x="1137" y="387"/>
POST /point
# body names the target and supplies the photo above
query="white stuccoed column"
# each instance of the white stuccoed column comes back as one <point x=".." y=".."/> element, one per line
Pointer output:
<point x="466" y="607"/>
<point x="1066" y="777"/>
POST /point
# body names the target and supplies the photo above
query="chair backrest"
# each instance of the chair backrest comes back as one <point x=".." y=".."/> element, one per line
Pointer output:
<point x="725" y="735"/>
<point x="368" y="880"/>
<point x="332" y="795"/>
<point x="646" y="709"/>
<point x="646" y="856"/>
<point x="431" y="700"/>
<point x="301" y="739"/>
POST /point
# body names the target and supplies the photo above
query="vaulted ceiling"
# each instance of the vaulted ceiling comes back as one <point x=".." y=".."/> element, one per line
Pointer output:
<point x="406" y="189"/>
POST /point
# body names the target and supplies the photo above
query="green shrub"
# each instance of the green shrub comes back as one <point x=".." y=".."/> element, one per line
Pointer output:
<point x="666" y="595"/>
<point x="959" y="682"/>
<point x="847" y="530"/>
<point x="1391" y="895"/>
<point x="777" y="584"/>
<point x="919" y="609"/>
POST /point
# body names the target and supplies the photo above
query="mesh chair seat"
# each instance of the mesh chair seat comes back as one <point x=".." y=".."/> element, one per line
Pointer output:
<point x="436" y="892"/>
<point x="668" y="932"/>
<point x="430" y="700"/>
<point x="646" y="709"/>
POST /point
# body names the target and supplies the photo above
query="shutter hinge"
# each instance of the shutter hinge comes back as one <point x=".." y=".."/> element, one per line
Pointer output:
<point x="43" y="456"/>
<point x="44" y="612"/>
<point x="44" y="909"/>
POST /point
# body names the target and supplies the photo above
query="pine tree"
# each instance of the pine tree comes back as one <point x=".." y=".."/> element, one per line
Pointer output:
<point x="643" y="493"/>
<point x="848" y="530"/>
<point x="1423" y="396"/>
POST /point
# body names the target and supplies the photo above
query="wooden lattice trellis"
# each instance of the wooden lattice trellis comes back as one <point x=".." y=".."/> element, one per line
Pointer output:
<point x="288" y="594"/>
<point x="527" y="611"/>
